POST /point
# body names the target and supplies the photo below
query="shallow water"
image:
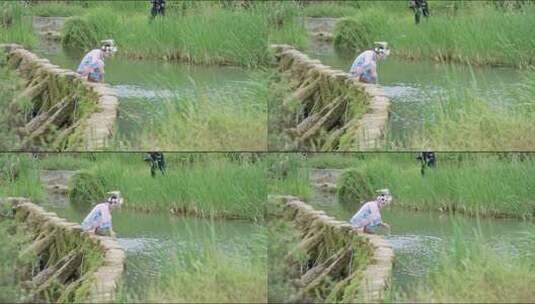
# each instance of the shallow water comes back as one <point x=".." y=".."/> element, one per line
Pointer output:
<point x="412" y="85"/>
<point x="143" y="85"/>
<point x="420" y="238"/>
<point x="152" y="241"/>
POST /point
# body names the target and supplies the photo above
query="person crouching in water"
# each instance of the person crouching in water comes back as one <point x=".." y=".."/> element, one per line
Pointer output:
<point x="98" y="220"/>
<point x="364" y="68"/>
<point x="92" y="65"/>
<point x="369" y="215"/>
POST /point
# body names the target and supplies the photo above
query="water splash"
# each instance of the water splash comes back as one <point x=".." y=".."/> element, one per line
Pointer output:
<point x="140" y="92"/>
<point x="415" y="254"/>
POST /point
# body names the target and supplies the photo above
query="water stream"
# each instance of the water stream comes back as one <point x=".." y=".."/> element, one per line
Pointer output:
<point x="152" y="240"/>
<point x="412" y="85"/>
<point x="420" y="238"/>
<point x="144" y="85"/>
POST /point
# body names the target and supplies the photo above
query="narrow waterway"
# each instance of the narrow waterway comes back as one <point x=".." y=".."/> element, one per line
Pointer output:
<point x="144" y="86"/>
<point x="413" y="85"/>
<point x="154" y="240"/>
<point x="419" y="239"/>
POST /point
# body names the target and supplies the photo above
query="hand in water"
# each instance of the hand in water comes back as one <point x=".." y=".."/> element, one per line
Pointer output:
<point x="388" y="228"/>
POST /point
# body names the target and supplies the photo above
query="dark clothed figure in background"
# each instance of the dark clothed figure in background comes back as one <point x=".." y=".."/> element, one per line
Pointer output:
<point x="158" y="8"/>
<point x="428" y="160"/>
<point x="157" y="162"/>
<point x="420" y="7"/>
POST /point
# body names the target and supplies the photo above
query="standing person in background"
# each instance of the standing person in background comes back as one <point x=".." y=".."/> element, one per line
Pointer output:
<point x="157" y="161"/>
<point x="92" y="65"/>
<point x="428" y="160"/>
<point x="420" y="7"/>
<point x="158" y="8"/>
<point x="364" y="68"/>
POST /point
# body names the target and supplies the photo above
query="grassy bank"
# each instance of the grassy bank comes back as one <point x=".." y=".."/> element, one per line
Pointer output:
<point x="473" y="271"/>
<point x="485" y="184"/>
<point x="452" y="34"/>
<point x="196" y="184"/>
<point x="211" y="185"/>
<point x="213" y="34"/>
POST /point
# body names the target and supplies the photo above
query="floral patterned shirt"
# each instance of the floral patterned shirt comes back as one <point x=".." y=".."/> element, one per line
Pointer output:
<point x="365" y="67"/>
<point x="92" y="66"/>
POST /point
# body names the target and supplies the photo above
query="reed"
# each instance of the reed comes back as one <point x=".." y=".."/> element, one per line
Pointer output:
<point x="214" y="275"/>
<point x="14" y="26"/>
<point x="471" y="123"/>
<point x="453" y="34"/>
<point x="485" y="184"/>
<point x="19" y="177"/>
<point x="473" y="271"/>
<point x="210" y="186"/>
<point x="208" y="121"/>
<point x="196" y="33"/>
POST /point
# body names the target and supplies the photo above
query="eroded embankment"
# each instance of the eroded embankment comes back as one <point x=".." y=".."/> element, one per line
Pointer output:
<point x="58" y="109"/>
<point x="327" y="109"/>
<point x="341" y="264"/>
<point x="65" y="264"/>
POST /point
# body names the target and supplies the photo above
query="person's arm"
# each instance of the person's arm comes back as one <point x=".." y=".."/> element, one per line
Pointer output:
<point x="101" y="70"/>
<point x="373" y="70"/>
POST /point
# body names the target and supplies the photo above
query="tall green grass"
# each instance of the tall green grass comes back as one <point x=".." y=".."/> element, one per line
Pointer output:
<point x="506" y="38"/>
<point x="10" y="86"/>
<point x="486" y="184"/>
<point x="13" y="241"/>
<point x="60" y="161"/>
<point x="286" y="176"/>
<point x="217" y="184"/>
<point x="209" y="121"/>
<point x="330" y="9"/>
<point x="473" y="271"/>
<point x="14" y="26"/>
<point x="20" y="177"/>
<point x="214" y="275"/>
<point x="285" y="23"/>
<point x="283" y="239"/>
<point x="64" y="9"/>
<point x="212" y="186"/>
<point x="472" y="123"/>
<point x="211" y="35"/>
